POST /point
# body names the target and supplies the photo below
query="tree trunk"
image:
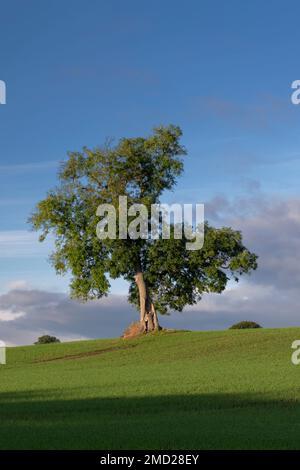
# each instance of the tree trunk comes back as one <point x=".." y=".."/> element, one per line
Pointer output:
<point x="148" y="315"/>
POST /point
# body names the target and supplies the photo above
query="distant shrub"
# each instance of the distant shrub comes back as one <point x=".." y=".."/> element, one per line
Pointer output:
<point x="46" y="339"/>
<point x="244" y="325"/>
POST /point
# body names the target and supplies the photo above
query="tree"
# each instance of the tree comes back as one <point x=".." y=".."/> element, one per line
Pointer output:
<point x="162" y="274"/>
<point x="46" y="339"/>
<point x="245" y="324"/>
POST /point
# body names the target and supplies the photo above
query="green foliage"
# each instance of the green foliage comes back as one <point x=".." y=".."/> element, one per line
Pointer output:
<point x="47" y="339"/>
<point x="245" y="325"/>
<point x="141" y="169"/>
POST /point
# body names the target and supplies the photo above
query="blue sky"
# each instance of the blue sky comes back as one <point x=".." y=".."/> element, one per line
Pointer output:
<point x="78" y="72"/>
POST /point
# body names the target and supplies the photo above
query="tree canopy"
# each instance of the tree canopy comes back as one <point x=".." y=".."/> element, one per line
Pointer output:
<point x="162" y="275"/>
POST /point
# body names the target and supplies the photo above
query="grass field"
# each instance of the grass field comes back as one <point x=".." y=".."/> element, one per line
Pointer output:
<point x="181" y="390"/>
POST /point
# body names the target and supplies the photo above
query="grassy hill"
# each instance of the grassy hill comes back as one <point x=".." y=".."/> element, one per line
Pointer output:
<point x="181" y="390"/>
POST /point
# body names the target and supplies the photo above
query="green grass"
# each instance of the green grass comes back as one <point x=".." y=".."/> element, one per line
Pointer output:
<point x="182" y="390"/>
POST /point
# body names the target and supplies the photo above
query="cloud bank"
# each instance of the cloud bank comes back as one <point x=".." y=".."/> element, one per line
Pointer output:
<point x="271" y="228"/>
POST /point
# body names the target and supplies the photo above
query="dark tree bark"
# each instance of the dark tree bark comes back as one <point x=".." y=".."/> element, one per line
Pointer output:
<point x="148" y="315"/>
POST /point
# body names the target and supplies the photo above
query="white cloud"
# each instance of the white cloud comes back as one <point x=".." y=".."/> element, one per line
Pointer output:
<point x="18" y="284"/>
<point x="23" y="244"/>
<point x="270" y="228"/>
<point x="9" y="315"/>
<point x="54" y="313"/>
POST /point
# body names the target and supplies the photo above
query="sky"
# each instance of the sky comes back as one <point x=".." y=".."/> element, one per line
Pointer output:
<point x="80" y="72"/>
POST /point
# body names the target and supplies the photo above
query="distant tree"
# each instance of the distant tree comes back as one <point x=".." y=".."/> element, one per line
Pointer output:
<point x="244" y="325"/>
<point x="46" y="339"/>
<point x="162" y="274"/>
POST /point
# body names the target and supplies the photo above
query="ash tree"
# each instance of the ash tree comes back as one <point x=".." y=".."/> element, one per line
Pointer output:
<point x="162" y="274"/>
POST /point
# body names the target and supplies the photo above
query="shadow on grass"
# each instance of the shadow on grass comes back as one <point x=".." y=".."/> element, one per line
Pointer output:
<point x="44" y="420"/>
